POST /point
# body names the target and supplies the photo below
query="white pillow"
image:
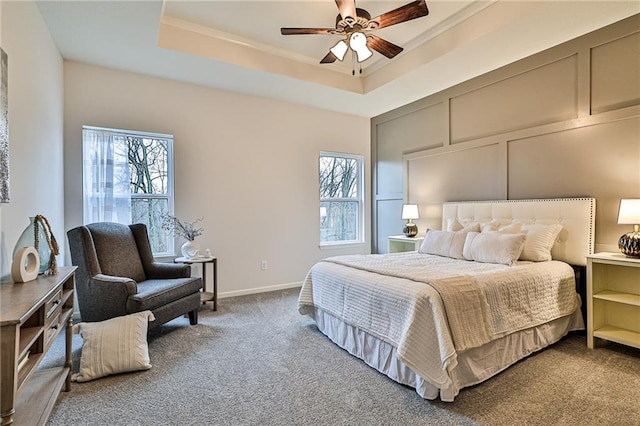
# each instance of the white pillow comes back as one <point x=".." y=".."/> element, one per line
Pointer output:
<point x="539" y="241"/>
<point x="443" y="243"/>
<point x="116" y="345"/>
<point x="512" y="228"/>
<point x="453" y="224"/>
<point x="489" y="227"/>
<point x="493" y="247"/>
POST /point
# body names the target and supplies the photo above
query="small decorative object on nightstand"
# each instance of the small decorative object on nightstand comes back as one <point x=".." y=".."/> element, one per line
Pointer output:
<point x="613" y="299"/>
<point x="410" y="212"/>
<point x="629" y="214"/>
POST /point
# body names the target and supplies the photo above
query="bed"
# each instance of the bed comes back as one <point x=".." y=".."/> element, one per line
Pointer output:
<point x="494" y="285"/>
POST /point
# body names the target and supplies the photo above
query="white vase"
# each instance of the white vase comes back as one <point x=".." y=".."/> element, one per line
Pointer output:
<point x="190" y="249"/>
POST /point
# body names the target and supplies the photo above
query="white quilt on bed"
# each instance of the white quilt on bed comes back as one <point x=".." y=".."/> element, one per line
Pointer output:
<point x="399" y="305"/>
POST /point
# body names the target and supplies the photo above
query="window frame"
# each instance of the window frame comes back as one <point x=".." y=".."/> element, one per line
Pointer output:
<point x="169" y="196"/>
<point x="360" y="189"/>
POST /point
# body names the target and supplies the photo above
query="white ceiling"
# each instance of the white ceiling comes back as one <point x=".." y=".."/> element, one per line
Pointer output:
<point x="236" y="45"/>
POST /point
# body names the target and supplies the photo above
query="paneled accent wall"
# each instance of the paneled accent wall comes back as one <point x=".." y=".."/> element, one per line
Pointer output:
<point x="617" y="83"/>
<point x="545" y="94"/>
<point x="564" y="122"/>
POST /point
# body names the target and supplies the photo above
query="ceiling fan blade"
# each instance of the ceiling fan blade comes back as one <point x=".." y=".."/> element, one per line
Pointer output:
<point x="380" y="45"/>
<point x="413" y="10"/>
<point x="295" y="31"/>
<point x="329" y="58"/>
<point x="347" y="8"/>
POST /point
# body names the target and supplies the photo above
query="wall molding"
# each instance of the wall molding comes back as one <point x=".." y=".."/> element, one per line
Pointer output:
<point x="411" y="145"/>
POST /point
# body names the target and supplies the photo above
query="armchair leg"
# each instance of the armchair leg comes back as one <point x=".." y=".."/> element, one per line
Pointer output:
<point x="193" y="317"/>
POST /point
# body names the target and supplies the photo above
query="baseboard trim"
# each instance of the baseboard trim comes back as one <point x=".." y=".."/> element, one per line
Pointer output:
<point x="258" y="290"/>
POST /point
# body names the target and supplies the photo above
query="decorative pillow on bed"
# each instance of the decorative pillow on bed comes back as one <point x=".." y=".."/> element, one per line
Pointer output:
<point x="443" y="243"/>
<point x="539" y="241"/>
<point x="495" y="226"/>
<point x="453" y="224"/>
<point x="116" y="345"/>
<point x="493" y="247"/>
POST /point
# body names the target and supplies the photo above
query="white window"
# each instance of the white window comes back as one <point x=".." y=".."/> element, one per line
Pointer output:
<point x="341" y="198"/>
<point x="128" y="178"/>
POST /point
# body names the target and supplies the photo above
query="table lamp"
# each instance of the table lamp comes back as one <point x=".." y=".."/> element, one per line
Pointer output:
<point x="410" y="212"/>
<point x="629" y="214"/>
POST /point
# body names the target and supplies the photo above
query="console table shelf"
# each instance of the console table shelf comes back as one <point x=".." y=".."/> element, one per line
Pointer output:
<point x="32" y="314"/>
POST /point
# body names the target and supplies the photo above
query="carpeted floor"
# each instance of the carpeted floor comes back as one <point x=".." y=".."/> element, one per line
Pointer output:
<point x="258" y="362"/>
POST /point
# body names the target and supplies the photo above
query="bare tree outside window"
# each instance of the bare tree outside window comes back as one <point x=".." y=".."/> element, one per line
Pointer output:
<point x="149" y="176"/>
<point x="340" y="197"/>
<point x="127" y="178"/>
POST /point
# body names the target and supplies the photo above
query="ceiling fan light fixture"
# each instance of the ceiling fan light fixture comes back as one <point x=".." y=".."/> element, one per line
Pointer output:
<point x="358" y="43"/>
<point x="355" y="24"/>
<point x="340" y="49"/>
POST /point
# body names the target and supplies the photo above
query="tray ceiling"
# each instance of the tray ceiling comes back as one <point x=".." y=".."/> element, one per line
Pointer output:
<point x="237" y="45"/>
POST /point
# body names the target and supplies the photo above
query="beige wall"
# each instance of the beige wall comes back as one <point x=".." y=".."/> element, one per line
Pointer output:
<point x="248" y="165"/>
<point x="35" y="127"/>
<point x="561" y="123"/>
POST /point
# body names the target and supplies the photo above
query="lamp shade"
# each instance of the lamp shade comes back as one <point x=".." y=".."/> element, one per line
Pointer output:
<point x="358" y="43"/>
<point x="340" y="49"/>
<point x="410" y="211"/>
<point x="629" y="212"/>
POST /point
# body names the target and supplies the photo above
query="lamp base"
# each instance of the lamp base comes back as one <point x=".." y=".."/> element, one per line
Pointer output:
<point x="629" y="244"/>
<point x="410" y="229"/>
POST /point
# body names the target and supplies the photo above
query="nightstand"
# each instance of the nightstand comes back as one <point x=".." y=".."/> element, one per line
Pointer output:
<point x="400" y="243"/>
<point x="613" y="299"/>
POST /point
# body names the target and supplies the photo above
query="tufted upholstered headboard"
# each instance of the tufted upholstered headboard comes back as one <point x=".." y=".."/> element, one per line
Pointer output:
<point x="576" y="215"/>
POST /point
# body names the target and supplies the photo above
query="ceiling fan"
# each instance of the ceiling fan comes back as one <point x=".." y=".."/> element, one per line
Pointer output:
<point x="355" y="25"/>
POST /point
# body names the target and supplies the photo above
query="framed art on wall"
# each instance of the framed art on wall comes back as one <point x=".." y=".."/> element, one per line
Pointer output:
<point x="4" y="129"/>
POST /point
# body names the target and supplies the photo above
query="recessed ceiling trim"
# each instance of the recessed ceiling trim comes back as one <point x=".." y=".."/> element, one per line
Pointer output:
<point x="183" y="38"/>
<point x="233" y="38"/>
<point x="440" y="28"/>
<point x="455" y="19"/>
<point x="466" y="32"/>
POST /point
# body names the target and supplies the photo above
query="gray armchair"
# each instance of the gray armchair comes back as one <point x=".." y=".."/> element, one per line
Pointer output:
<point x="117" y="275"/>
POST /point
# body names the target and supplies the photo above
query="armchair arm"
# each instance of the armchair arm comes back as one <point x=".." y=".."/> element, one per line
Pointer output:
<point x="167" y="270"/>
<point x="153" y="269"/>
<point x="107" y="297"/>
<point x="111" y="285"/>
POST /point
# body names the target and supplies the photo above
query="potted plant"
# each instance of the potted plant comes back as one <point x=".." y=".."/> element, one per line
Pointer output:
<point x="187" y="230"/>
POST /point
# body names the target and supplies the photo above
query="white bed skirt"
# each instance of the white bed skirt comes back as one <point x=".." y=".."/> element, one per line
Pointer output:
<point x="473" y="366"/>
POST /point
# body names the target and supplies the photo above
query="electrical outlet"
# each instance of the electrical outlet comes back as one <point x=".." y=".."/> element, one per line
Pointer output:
<point x="264" y="265"/>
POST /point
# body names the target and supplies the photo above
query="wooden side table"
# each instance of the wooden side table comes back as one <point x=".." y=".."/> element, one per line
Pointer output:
<point x="205" y="296"/>
<point x="401" y="243"/>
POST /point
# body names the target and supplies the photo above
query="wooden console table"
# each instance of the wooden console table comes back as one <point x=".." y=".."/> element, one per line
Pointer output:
<point x="32" y="314"/>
